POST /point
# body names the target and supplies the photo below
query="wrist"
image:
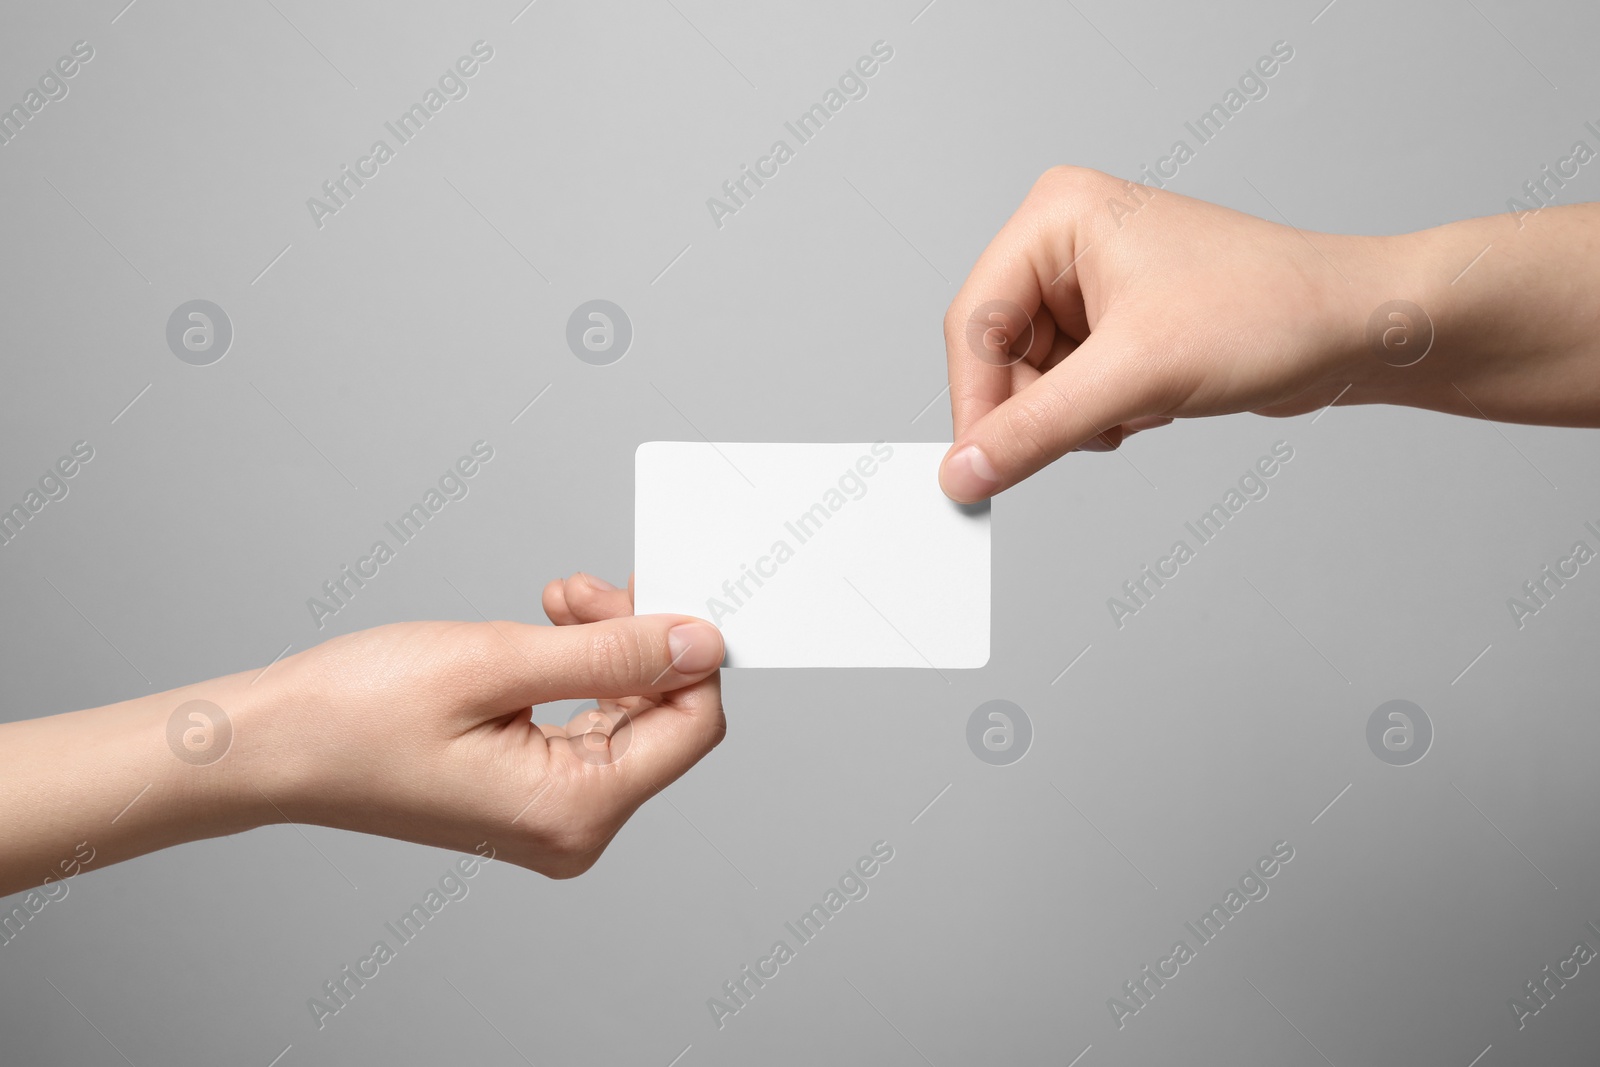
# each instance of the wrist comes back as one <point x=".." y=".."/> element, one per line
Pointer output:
<point x="1389" y="332"/>
<point x="1444" y="314"/>
<point x="226" y="753"/>
<point x="204" y="754"/>
<point x="263" y="776"/>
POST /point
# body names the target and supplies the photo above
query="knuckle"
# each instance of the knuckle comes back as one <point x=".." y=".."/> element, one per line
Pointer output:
<point x="1053" y="179"/>
<point x="1032" y="424"/>
<point x="1073" y="192"/>
<point x="553" y="598"/>
<point x="615" y="655"/>
<point x="564" y="838"/>
<point x="716" y="729"/>
<point x="1064" y="179"/>
<point x="577" y="850"/>
<point x="954" y="322"/>
<point x="562" y="870"/>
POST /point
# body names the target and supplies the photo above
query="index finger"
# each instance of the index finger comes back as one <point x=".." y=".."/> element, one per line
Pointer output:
<point x="671" y="736"/>
<point x="644" y="748"/>
<point x="1022" y="290"/>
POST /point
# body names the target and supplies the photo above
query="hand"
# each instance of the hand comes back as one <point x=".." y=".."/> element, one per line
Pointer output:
<point x="1080" y="325"/>
<point x="434" y="743"/>
<point x="1104" y="308"/>
<point x="418" y="731"/>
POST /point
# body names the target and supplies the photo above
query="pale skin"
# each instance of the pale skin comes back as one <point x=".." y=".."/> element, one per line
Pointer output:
<point x="1178" y="309"/>
<point x="418" y="731"/>
<point x="1182" y="309"/>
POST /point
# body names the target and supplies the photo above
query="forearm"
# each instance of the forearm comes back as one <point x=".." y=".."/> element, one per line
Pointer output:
<point x="418" y="731"/>
<point x="1515" y="311"/>
<point x="91" y="788"/>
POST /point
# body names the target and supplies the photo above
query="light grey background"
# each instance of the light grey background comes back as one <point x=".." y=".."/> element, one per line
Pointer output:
<point x="1171" y="755"/>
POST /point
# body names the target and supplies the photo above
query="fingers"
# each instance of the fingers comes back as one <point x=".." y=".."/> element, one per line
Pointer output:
<point x="985" y="339"/>
<point x="555" y="603"/>
<point x="651" y="743"/>
<point x="993" y="322"/>
<point x="670" y="737"/>
<point x="610" y="658"/>
<point x="1038" y="383"/>
<point x="1081" y="403"/>
<point x="585" y="598"/>
<point x="1145" y="422"/>
<point x="1023" y="291"/>
<point x="620" y="754"/>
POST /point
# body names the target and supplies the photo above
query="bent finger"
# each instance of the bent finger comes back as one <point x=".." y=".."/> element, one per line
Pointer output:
<point x="1080" y="404"/>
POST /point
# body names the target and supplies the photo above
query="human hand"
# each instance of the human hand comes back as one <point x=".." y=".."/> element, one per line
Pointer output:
<point x="419" y="731"/>
<point x="1080" y="324"/>
<point x="426" y="735"/>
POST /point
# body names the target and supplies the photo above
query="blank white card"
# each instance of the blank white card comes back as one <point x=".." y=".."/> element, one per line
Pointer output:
<point x="814" y="555"/>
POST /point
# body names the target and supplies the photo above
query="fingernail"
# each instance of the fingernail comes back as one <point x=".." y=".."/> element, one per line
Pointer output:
<point x="968" y="475"/>
<point x="597" y="583"/>
<point x="696" y="647"/>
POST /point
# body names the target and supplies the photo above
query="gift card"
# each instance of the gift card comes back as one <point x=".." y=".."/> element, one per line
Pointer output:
<point x="814" y="555"/>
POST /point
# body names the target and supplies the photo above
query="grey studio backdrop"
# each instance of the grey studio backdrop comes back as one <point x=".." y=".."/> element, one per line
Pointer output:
<point x="1167" y="757"/>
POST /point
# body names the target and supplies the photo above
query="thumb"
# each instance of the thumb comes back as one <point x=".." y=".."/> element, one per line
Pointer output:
<point x="1083" y="400"/>
<point x="621" y="657"/>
